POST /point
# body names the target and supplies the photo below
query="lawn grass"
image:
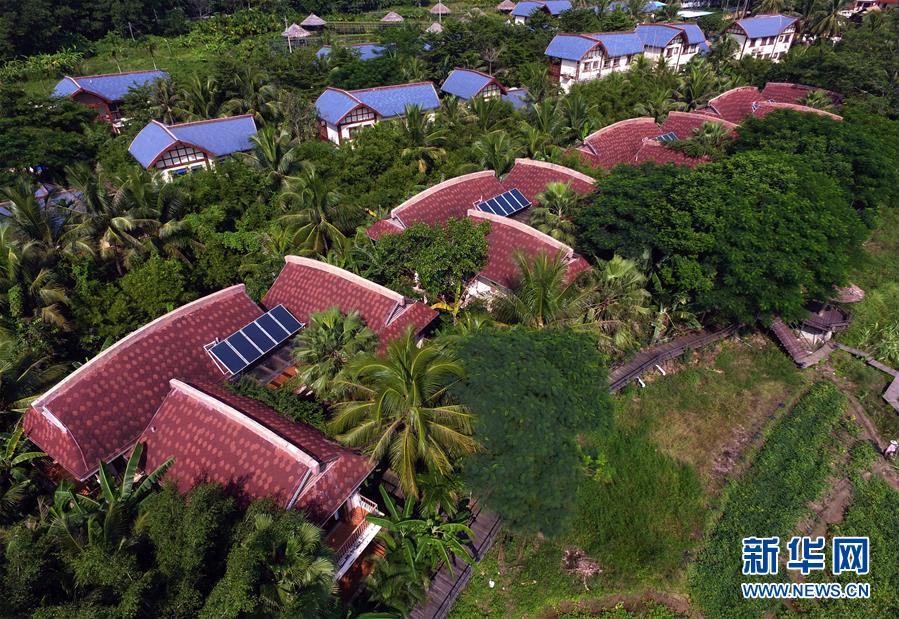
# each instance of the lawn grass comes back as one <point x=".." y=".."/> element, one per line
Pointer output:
<point x="789" y="470"/>
<point x="643" y="526"/>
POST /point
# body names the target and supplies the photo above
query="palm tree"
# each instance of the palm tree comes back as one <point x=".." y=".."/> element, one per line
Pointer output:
<point x="394" y="584"/>
<point x="536" y="143"/>
<point x="317" y="215"/>
<point x="24" y="375"/>
<point x="424" y="138"/>
<point x="552" y="216"/>
<point x="400" y="409"/>
<point x="830" y="21"/>
<point x="620" y="303"/>
<point x="160" y="207"/>
<point x="579" y="115"/>
<point x="413" y="69"/>
<point x="544" y="294"/>
<point x="328" y="343"/>
<point x="723" y="52"/>
<point x="200" y="97"/>
<point x="658" y="105"/>
<point x="452" y="114"/>
<point x="707" y="140"/>
<point x="275" y="154"/>
<point x="106" y="520"/>
<point x="818" y="99"/>
<point x="535" y="77"/>
<point x="698" y="84"/>
<point x="546" y="117"/>
<point x="497" y="151"/>
<point x="806" y="10"/>
<point x="636" y="8"/>
<point x="41" y="229"/>
<point x="770" y="7"/>
<point x="14" y="478"/>
<point x="253" y="95"/>
<point x="30" y="289"/>
<point x="165" y="101"/>
<point x="487" y="112"/>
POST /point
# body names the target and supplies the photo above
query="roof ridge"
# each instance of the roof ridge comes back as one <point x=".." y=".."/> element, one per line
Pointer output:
<point x="209" y="120"/>
<point x="555" y="167"/>
<point x="187" y="308"/>
<point x="373" y="88"/>
<point x="626" y="121"/>
<point x="164" y="128"/>
<point x="118" y="73"/>
<point x="347" y="275"/>
<point x="523" y="227"/>
<point x="348" y="93"/>
<point x="421" y="195"/>
<point x="481" y="73"/>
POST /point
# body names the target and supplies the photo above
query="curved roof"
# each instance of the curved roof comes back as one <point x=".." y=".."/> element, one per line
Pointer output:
<point x="109" y="86"/>
<point x="764" y="25"/>
<point x="553" y="7"/>
<point x="786" y="92"/>
<point x="468" y="83"/>
<point x="217" y="137"/>
<point x="98" y="411"/>
<point x="682" y="124"/>
<point x="619" y="142"/>
<point x="576" y="46"/>
<point x="657" y="35"/>
<point x="531" y="177"/>
<point x="761" y="109"/>
<point x="735" y="104"/>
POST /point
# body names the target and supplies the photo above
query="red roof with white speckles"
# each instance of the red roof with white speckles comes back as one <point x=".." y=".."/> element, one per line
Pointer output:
<point x="735" y="104"/>
<point x="449" y="199"/>
<point x="382" y="227"/>
<point x="215" y="435"/>
<point x="783" y="92"/>
<point x="531" y="178"/>
<point x="305" y="286"/>
<point x="508" y="237"/>
<point x="762" y="109"/>
<point x="619" y="142"/>
<point x="660" y="154"/>
<point x="682" y="124"/>
<point x="98" y="411"/>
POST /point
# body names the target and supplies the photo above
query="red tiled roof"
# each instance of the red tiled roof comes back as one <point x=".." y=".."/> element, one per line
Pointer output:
<point x="657" y="152"/>
<point x="215" y="435"/>
<point x="783" y="92"/>
<point x="507" y="237"/>
<point x="450" y="199"/>
<point x="735" y="104"/>
<point x="531" y="178"/>
<point x="682" y="124"/>
<point x="763" y="108"/>
<point x="618" y="143"/>
<point x="382" y="227"/>
<point x="98" y="411"/>
<point x="305" y="286"/>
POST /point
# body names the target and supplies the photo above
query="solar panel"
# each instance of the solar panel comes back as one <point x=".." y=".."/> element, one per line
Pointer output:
<point x="667" y="137"/>
<point x="505" y="204"/>
<point x="245" y="347"/>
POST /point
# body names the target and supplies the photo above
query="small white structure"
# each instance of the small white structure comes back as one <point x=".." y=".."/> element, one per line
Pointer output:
<point x="763" y="36"/>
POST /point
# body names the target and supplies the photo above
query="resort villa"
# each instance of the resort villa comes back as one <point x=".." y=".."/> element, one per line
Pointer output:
<point x="341" y="113"/>
<point x="524" y="10"/>
<point x="105" y="93"/>
<point x="186" y="147"/>
<point x="165" y="386"/>
<point x="763" y="36"/>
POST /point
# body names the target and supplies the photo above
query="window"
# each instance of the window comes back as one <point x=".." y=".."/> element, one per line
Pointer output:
<point x="180" y="155"/>
<point x="358" y="115"/>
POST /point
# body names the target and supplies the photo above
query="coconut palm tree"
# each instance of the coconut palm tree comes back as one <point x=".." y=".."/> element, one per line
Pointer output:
<point x="830" y="22"/>
<point x="707" y="140"/>
<point x="30" y="289"/>
<point x="818" y="99"/>
<point x="535" y="77"/>
<point x="253" y="95"/>
<point x="399" y="409"/>
<point x="317" y="215"/>
<point x="497" y="151"/>
<point x="200" y="97"/>
<point x="552" y="215"/>
<point x="620" y="304"/>
<point x="275" y="154"/>
<point x="770" y="7"/>
<point x="108" y="519"/>
<point x="160" y="207"/>
<point x="328" y="343"/>
<point x="424" y="137"/>
<point x="14" y="478"/>
<point x="487" y="112"/>
<point x="536" y="143"/>
<point x="40" y="227"/>
<point x="806" y="11"/>
<point x="413" y="69"/>
<point x="697" y="85"/>
<point x="452" y="113"/>
<point x="636" y="8"/>
<point x="544" y="294"/>
<point x="659" y="104"/>
<point x="579" y="115"/>
<point x="24" y="375"/>
<point x="165" y="102"/>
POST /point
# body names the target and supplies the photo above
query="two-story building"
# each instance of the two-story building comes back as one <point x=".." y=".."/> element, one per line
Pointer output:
<point x="763" y="36"/>
<point x="341" y="113"/>
<point x="524" y="10"/>
<point x="178" y="149"/>
<point x="585" y="57"/>
<point x="105" y="93"/>
<point x="676" y="43"/>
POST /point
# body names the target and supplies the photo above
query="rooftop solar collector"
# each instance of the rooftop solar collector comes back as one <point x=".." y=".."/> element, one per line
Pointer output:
<point x="506" y="204"/>
<point x="251" y="343"/>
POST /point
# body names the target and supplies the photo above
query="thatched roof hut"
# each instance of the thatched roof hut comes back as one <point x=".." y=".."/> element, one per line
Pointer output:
<point x="294" y="31"/>
<point x="313" y="22"/>
<point x="440" y="9"/>
<point x="435" y="28"/>
<point x="505" y="6"/>
<point x="392" y="18"/>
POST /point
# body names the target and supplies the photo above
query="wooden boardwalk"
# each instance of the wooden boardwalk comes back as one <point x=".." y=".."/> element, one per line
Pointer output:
<point x="650" y="357"/>
<point x="446" y="587"/>
<point x="891" y="395"/>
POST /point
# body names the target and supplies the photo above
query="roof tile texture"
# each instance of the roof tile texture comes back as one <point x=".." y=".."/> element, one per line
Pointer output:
<point x="618" y="143"/>
<point x="735" y="104"/>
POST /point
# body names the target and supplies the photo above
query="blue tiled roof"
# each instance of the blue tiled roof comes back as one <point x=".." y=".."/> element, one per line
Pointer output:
<point x="619" y="43"/>
<point x="112" y="87"/>
<point x="333" y="104"/>
<point x="656" y="36"/>
<point x="765" y="25"/>
<point x="555" y="7"/>
<point x="570" y="46"/>
<point x="218" y="137"/>
<point x="518" y="97"/>
<point x="367" y="51"/>
<point x="694" y="33"/>
<point x="464" y="83"/>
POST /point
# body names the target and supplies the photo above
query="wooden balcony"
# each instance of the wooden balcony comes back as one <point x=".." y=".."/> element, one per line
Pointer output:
<point x="351" y="536"/>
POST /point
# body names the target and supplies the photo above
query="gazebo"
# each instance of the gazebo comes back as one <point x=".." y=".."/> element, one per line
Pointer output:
<point x="392" y="18"/>
<point x="506" y="6"/>
<point x="435" y="28"/>
<point x="295" y="34"/>
<point x="313" y="22"/>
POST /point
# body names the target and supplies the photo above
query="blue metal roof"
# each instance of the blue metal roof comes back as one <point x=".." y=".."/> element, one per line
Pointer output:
<point x="367" y="51"/>
<point x="555" y="7"/>
<point x="518" y="97"/>
<point x="649" y="7"/>
<point x="570" y="46"/>
<point x="656" y="36"/>
<point x="333" y="104"/>
<point x="112" y="87"/>
<point x="465" y="83"/>
<point x="218" y="137"/>
<point x="765" y="25"/>
<point x="694" y="33"/>
<point x="619" y="43"/>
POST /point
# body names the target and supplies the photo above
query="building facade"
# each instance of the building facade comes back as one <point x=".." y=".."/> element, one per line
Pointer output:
<point x="104" y="93"/>
<point x="585" y="57"/>
<point x="763" y="36"/>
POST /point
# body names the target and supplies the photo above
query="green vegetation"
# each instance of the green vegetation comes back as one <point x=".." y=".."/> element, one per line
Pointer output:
<point x="790" y="470"/>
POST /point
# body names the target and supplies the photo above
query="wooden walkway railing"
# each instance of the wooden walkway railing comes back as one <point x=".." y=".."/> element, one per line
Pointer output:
<point x="445" y="586"/>
<point x="891" y="395"/>
<point x="646" y="359"/>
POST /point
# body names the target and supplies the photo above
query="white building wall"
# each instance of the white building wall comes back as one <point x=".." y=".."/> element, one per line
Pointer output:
<point x="593" y="66"/>
<point x="772" y="48"/>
